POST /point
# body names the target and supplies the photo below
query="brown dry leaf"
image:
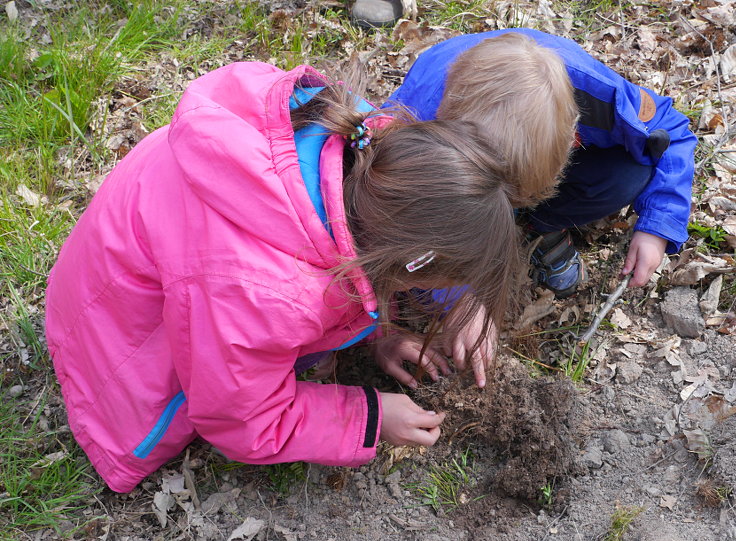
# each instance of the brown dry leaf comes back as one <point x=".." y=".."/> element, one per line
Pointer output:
<point x="697" y="442"/>
<point x="709" y="300"/>
<point x="162" y="504"/>
<point x="250" y="528"/>
<point x="668" y="502"/>
<point x="540" y="308"/>
<point x="50" y="459"/>
<point x="30" y="197"/>
<point x="11" y="11"/>
<point x="728" y="64"/>
<point x="418" y="38"/>
<point x="729" y="225"/>
<point x="621" y="320"/>
<point x="570" y="313"/>
<point x="694" y="266"/>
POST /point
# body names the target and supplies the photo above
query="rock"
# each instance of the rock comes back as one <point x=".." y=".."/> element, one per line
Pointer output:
<point x="628" y="372"/>
<point x="695" y="347"/>
<point x="393" y="478"/>
<point x="681" y="312"/>
<point x="15" y="391"/>
<point x="395" y="491"/>
<point x="593" y="457"/>
<point x="616" y="441"/>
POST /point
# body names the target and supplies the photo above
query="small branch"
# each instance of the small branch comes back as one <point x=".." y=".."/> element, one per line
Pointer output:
<point x="612" y="298"/>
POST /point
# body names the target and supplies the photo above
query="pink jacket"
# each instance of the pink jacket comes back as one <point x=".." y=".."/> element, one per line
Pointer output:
<point x="194" y="280"/>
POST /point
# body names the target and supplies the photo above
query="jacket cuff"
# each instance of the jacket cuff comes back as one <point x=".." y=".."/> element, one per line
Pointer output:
<point x="664" y="226"/>
<point x="373" y="418"/>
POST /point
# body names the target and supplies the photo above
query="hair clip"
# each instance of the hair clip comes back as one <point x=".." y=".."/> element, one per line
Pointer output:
<point x="420" y="261"/>
<point x="361" y="138"/>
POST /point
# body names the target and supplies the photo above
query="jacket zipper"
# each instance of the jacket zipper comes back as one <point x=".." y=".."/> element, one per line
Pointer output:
<point x="159" y="429"/>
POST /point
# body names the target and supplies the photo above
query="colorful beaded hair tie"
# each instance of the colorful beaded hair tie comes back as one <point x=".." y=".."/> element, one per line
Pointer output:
<point x="361" y="138"/>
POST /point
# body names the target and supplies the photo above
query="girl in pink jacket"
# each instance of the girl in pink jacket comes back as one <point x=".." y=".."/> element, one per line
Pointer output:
<point x="268" y="225"/>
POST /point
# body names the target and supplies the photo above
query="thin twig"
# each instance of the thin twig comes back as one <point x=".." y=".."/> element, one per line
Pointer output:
<point x="612" y="298"/>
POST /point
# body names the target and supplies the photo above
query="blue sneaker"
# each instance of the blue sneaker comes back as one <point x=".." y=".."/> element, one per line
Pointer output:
<point x="557" y="264"/>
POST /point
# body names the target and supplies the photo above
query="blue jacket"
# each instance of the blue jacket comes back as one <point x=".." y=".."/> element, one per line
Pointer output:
<point x="609" y="115"/>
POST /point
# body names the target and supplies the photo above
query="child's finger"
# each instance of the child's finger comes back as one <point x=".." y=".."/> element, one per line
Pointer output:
<point x="401" y="375"/>
<point x="640" y="277"/>
<point x="427" y="438"/>
<point x="458" y="355"/>
<point x="438" y="360"/>
<point x="433" y="435"/>
<point x="479" y="369"/>
<point x="628" y="264"/>
<point x="427" y="365"/>
<point x="429" y="419"/>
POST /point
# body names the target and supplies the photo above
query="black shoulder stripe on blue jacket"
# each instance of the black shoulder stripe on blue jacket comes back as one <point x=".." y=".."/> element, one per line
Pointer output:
<point x="658" y="142"/>
<point x="594" y="112"/>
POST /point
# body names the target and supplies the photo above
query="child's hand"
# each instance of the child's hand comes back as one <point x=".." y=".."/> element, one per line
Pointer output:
<point x="644" y="256"/>
<point x="464" y="341"/>
<point x="405" y="423"/>
<point x="391" y="352"/>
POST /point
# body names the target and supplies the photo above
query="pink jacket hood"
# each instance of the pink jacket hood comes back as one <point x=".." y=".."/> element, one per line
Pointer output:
<point x="197" y="277"/>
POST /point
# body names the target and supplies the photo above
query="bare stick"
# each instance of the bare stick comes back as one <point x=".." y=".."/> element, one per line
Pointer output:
<point x="612" y="298"/>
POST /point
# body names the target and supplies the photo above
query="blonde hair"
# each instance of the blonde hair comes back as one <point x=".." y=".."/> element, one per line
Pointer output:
<point x="425" y="186"/>
<point x="521" y="93"/>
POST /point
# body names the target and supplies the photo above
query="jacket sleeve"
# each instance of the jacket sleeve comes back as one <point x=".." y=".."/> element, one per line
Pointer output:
<point x="235" y="344"/>
<point x="664" y="204"/>
<point x="652" y="131"/>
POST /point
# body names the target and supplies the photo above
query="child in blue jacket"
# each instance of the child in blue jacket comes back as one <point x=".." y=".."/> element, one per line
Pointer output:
<point x="566" y="117"/>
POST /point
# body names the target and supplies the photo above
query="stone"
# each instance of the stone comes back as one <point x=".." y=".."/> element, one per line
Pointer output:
<point x="393" y="478"/>
<point x="681" y="312"/>
<point x="616" y="441"/>
<point x="628" y="372"/>
<point x="15" y="391"/>
<point x="695" y="347"/>
<point x="593" y="457"/>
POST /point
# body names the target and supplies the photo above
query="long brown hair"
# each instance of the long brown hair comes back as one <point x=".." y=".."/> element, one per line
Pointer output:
<point x="425" y="186"/>
<point x="521" y="93"/>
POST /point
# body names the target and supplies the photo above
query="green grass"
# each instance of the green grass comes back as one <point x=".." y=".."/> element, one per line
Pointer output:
<point x="447" y="485"/>
<point x="42" y="479"/>
<point x="620" y="522"/>
<point x="577" y="362"/>
<point x="547" y="494"/>
<point x="462" y="15"/>
<point x="283" y="478"/>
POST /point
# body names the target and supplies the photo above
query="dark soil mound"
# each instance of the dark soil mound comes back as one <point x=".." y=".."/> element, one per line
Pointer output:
<point x="532" y="424"/>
